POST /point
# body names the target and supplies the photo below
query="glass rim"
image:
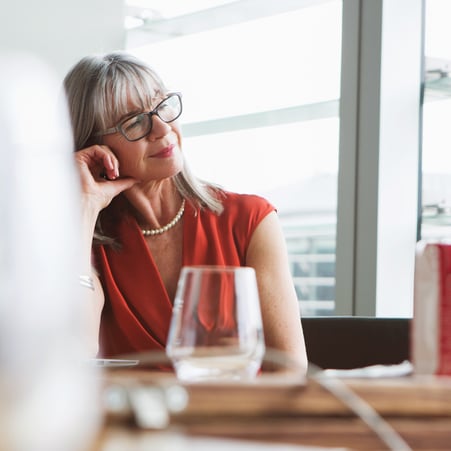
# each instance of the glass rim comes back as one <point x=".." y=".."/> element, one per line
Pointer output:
<point x="216" y="268"/>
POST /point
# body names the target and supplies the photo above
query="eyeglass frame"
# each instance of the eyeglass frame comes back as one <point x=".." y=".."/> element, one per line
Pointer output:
<point x="154" y="112"/>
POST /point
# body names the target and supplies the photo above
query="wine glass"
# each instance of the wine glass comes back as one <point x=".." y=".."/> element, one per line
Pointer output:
<point x="216" y="330"/>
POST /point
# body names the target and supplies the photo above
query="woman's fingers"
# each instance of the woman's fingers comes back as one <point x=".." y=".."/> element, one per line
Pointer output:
<point x="111" y="167"/>
<point x="100" y="160"/>
<point x="99" y="172"/>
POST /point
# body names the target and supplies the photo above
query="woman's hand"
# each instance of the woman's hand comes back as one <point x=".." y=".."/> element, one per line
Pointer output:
<point x="100" y="183"/>
<point x="99" y="175"/>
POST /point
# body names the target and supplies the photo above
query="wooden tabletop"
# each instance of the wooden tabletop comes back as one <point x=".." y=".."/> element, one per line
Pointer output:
<point x="285" y="409"/>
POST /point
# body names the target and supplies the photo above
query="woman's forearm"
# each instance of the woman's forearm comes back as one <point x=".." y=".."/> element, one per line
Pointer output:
<point x="94" y="291"/>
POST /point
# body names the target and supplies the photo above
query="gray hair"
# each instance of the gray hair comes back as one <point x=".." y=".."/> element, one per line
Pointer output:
<point x="98" y="90"/>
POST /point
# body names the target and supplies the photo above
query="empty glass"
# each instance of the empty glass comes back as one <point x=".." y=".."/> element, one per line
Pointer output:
<point x="216" y="328"/>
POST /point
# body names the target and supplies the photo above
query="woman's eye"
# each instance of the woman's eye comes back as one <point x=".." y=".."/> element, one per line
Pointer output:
<point x="135" y="121"/>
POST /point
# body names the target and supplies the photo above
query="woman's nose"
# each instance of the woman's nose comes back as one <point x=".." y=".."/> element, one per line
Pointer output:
<point x="159" y="128"/>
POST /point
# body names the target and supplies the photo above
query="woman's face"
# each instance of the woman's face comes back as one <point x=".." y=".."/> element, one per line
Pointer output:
<point x="154" y="157"/>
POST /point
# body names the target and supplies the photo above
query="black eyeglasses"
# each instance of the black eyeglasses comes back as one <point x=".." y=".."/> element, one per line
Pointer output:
<point x="136" y="127"/>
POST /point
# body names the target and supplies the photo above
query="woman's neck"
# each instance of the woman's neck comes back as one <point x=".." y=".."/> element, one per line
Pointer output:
<point x="154" y="205"/>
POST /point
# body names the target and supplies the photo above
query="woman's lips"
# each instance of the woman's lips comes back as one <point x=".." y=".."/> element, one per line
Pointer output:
<point x="165" y="152"/>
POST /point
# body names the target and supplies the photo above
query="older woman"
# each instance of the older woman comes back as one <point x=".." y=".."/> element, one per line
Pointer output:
<point x="145" y="215"/>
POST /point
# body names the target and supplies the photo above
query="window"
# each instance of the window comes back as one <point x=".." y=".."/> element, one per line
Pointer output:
<point x="436" y="186"/>
<point x="309" y="104"/>
<point x="261" y="91"/>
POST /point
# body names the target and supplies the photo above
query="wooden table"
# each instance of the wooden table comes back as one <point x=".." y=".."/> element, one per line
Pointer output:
<point x="280" y="409"/>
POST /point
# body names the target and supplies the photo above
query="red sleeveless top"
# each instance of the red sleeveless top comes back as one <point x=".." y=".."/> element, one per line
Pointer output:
<point x="137" y="309"/>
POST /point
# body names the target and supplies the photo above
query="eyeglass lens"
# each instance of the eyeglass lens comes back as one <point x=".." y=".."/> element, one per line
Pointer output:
<point x="140" y="125"/>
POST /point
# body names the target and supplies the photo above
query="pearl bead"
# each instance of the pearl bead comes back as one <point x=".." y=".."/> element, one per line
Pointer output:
<point x="178" y="216"/>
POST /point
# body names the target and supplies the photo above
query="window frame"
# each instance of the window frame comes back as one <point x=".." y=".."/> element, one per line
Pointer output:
<point x="380" y="130"/>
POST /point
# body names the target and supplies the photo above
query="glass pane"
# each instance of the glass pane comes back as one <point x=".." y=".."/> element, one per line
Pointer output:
<point x="436" y="177"/>
<point x="273" y="62"/>
<point x="251" y="71"/>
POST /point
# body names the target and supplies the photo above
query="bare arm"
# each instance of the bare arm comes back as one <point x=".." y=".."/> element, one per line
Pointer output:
<point x="96" y="193"/>
<point x="267" y="254"/>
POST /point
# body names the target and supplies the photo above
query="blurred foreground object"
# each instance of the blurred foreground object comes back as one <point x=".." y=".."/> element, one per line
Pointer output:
<point x="48" y="394"/>
<point x="431" y="327"/>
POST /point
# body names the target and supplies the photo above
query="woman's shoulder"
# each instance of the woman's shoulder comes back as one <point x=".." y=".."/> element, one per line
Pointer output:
<point x="236" y="208"/>
<point x="233" y="200"/>
<point x="245" y="209"/>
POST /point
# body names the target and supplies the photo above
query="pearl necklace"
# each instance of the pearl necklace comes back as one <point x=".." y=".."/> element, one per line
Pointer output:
<point x="169" y="225"/>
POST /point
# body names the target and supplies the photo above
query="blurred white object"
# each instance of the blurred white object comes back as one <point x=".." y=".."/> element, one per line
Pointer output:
<point x="48" y="396"/>
<point x="373" y="371"/>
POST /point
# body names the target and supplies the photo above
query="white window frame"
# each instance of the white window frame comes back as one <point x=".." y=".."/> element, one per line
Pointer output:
<point x="380" y="106"/>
